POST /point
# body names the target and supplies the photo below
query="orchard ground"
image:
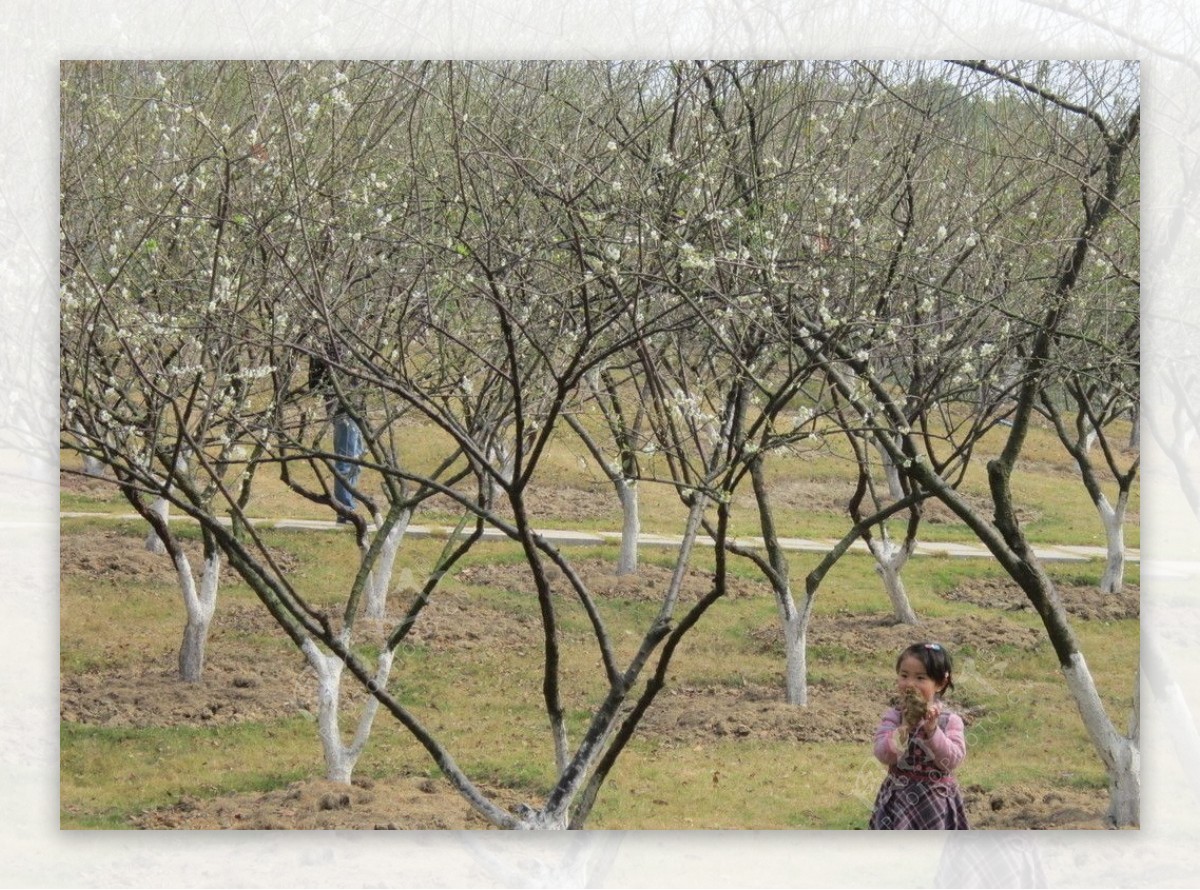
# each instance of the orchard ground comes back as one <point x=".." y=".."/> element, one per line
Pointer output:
<point x="718" y="749"/>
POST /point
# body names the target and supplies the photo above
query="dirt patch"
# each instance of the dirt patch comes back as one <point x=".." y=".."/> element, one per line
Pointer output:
<point x="809" y="495"/>
<point x="89" y="486"/>
<point x="560" y="503"/>
<point x="1080" y="600"/>
<point x="412" y="803"/>
<point x="833" y="496"/>
<point x="113" y="556"/>
<point x="153" y="695"/>
<point x="456" y="621"/>
<point x="858" y="633"/>
<point x="649" y="583"/>
<point x="1027" y="806"/>
<point x="937" y="513"/>
<point x="691" y="715"/>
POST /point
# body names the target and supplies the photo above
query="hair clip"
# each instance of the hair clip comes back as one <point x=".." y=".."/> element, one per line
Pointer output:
<point x="936" y="647"/>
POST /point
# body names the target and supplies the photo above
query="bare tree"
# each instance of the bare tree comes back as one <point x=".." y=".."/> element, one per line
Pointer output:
<point x="1084" y="403"/>
<point x="149" y="378"/>
<point x="624" y="423"/>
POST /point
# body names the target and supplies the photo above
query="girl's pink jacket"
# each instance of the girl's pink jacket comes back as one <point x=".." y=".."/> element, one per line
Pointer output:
<point x="947" y="746"/>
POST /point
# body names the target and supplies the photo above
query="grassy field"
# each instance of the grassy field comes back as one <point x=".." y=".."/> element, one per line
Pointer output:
<point x="718" y="750"/>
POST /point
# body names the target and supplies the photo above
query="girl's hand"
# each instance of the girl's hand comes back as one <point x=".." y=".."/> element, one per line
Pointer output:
<point x="932" y="711"/>
<point x="913" y="708"/>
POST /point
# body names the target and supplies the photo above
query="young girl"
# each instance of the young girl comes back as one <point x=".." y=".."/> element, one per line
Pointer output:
<point x="922" y="743"/>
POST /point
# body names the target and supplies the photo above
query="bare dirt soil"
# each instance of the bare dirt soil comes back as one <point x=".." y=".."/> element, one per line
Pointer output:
<point x="648" y="584"/>
<point x="831" y="495"/>
<point x="1081" y="601"/>
<point x="111" y="555"/>
<point x="569" y="503"/>
<point x="151" y="694"/>
<point x="237" y="688"/>
<point x="414" y="803"/>
<point x="883" y="635"/>
<point x="81" y="483"/>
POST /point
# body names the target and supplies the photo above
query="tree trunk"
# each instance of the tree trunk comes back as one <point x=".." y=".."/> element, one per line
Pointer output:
<point x="340" y="759"/>
<point x="891" y="473"/>
<point x="1121" y="755"/>
<point x="161" y="507"/>
<point x="890" y="560"/>
<point x="793" y="621"/>
<point x="631" y="526"/>
<point x="191" y="652"/>
<point x="200" y="603"/>
<point x="503" y="458"/>
<point x="1114" y="535"/>
<point x="380" y="580"/>
<point x="92" y="465"/>
<point x="540" y="820"/>
<point x="795" y="645"/>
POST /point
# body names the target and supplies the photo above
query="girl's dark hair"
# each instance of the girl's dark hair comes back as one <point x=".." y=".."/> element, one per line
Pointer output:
<point x="936" y="659"/>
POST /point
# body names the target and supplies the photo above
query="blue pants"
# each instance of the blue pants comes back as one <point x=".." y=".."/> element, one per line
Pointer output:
<point x="347" y="443"/>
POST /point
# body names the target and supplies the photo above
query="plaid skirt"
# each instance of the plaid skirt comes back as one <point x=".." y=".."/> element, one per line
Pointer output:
<point x="907" y="801"/>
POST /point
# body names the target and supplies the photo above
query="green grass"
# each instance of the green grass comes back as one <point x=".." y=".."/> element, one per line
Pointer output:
<point x="109" y="775"/>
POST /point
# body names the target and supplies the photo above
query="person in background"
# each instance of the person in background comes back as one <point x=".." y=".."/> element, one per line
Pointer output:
<point x="347" y="437"/>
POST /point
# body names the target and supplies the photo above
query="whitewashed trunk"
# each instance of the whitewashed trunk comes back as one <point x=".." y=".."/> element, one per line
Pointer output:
<point x="92" y="466"/>
<point x="794" y="623"/>
<point x="200" y="602"/>
<point x="1114" y="536"/>
<point x="795" y="644"/>
<point x="161" y="507"/>
<point x="631" y="526"/>
<point x="340" y="759"/>
<point x="503" y="460"/>
<point x="889" y="562"/>
<point x="537" y="820"/>
<point x="1125" y="788"/>
<point x="1121" y="755"/>
<point x="891" y="473"/>
<point x="380" y="580"/>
